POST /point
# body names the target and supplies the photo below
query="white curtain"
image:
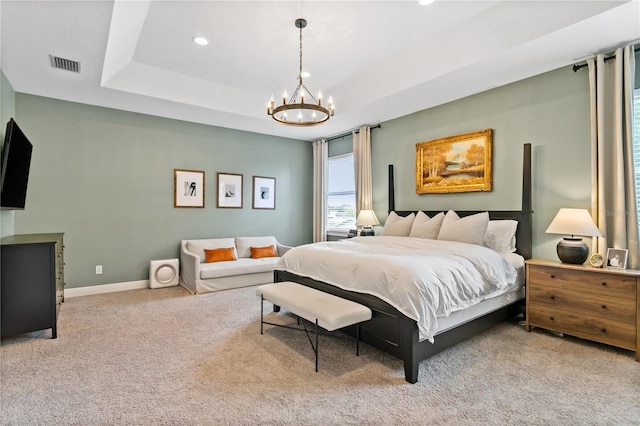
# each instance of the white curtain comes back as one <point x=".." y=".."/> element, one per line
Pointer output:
<point x="362" y="168"/>
<point x="613" y="192"/>
<point x="320" y="156"/>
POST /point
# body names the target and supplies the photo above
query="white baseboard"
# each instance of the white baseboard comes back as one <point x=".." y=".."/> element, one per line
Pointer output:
<point x="105" y="288"/>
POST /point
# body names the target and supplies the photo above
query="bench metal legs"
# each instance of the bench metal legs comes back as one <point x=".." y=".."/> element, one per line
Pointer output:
<point x="307" y="331"/>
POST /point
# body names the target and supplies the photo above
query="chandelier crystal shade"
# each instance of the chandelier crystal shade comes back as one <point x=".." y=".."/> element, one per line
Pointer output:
<point x="295" y="111"/>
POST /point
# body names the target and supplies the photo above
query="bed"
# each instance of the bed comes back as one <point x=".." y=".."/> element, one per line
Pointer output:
<point x="395" y="330"/>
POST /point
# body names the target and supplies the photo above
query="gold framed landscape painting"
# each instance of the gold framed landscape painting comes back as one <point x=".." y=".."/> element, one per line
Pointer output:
<point x="460" y="163"/>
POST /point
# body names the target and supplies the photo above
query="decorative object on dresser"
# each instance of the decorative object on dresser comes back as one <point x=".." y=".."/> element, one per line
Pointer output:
<point x="573" y="222"/>
<point x="617" y="258"/>
<point x="188" y="188"/>
<point x="366" y="219"/>
<point x="31" y="283"/>
<point x="596" y="260"/>
<point x="602" y="305"/>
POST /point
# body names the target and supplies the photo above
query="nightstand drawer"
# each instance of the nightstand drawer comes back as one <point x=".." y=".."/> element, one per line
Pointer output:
<point x="602" y="330"/>
<point x="602" y="283"/>
<point x="603" y="306"/>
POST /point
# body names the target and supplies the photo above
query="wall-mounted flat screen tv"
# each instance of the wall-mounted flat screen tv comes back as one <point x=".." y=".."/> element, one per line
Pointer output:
<point x="16" y="160"/>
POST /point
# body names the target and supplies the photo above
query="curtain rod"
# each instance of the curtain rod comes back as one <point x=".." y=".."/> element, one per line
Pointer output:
<point x="577" y="67"/>
<point x="332" y="138"/>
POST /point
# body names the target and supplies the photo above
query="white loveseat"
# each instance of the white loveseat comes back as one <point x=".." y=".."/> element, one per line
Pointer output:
<point x="201" y="277"/>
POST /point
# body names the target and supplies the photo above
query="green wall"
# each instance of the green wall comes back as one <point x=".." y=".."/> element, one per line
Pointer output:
<point x="550" y="111"/>
<point x="7" y="111"/>
<point x="105" y="178"/>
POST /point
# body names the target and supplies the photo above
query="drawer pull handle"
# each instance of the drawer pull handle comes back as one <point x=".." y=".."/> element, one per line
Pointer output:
<point x="553" y="276"/>
<point x="604" y="330"/>
<point x="604" y="284"/>
<point x="552" y="297"/>
<point x="604" y="306"/>
<point x="551" y="318"/>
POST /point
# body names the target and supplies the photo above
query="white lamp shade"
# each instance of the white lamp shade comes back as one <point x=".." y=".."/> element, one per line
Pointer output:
<point x="367" y="218"/>
<point x="573" y="222"/>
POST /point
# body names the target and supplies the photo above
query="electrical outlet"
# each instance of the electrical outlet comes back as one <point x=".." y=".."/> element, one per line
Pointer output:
<point x="98" y="269"/>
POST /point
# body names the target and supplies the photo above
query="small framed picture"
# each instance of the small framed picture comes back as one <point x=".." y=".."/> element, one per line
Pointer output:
<point x="617" y="258"/>
<point x="188" y="188"/>
<point x="229" y="190"/>
<point x="264" y="192"/>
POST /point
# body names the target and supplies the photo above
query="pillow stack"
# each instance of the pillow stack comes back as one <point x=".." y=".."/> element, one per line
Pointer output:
<point x="469" y="229"/>
<point x="498" y="235"/>
<point x="398" y="226"/>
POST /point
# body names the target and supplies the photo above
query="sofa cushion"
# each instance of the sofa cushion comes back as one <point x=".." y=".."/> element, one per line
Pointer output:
<point x="244" y="244"/>
<point x="241" y="266"/>
<point x="260" y="252"/>
<point x="219" y="254"/>
<point x="197" y="246"/>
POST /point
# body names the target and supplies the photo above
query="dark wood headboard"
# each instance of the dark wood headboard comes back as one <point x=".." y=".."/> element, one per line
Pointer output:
<point x="524" y="233"/>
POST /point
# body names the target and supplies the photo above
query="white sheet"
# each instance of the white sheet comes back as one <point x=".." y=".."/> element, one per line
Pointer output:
<point x="422" y="278"/>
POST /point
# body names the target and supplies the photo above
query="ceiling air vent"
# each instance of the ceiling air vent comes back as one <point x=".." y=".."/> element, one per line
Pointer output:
<point x="65" y="64"/>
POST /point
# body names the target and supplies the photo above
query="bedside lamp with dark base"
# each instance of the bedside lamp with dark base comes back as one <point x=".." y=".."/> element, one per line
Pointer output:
<point x="366" y="219"/>
<point x="572" y="250"/>
<point x="573" y="222"/>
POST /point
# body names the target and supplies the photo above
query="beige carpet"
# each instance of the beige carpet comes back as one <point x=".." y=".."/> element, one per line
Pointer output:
<point x="164" y="357"/>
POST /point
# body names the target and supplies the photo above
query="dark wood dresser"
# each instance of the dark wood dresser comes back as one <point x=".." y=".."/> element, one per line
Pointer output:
<point x="31" y="283"/>
<point x="602" y="305"/>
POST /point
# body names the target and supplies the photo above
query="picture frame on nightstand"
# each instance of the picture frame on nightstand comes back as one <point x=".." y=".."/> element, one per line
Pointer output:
<point x="617" y="258"/>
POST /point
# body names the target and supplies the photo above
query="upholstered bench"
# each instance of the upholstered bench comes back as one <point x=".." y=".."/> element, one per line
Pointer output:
<point x="323" y="309"/>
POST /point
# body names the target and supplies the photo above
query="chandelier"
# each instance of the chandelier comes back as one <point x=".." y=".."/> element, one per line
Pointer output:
<point x="303" y="113"/>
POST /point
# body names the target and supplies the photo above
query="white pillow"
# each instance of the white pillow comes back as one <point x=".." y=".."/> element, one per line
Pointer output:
<point x="501" y="235"/>
<point x="398" y="226"/>
<point x="426" y="227"/>
<point x="469" y="229"/>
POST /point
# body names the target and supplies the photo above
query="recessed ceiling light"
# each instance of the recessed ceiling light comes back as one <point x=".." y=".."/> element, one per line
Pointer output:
<point x="425" y="2"/>
<point x="199" y="40"/>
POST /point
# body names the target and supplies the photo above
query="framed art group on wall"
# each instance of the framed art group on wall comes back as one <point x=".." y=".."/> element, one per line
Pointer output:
<point x="229" y="190"/>
<point x="264" y="192"/>
<point x="189" y="190"/>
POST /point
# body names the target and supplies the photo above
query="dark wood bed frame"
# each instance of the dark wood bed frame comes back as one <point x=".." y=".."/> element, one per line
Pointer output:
<point x="393" y="332"/>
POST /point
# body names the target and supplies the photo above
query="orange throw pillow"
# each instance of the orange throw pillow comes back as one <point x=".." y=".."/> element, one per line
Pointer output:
<point x="219" y="254"/>
<point x="258" y="252"/>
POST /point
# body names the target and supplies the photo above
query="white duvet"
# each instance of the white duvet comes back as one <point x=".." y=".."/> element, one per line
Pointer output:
<point x="424" y="279"/>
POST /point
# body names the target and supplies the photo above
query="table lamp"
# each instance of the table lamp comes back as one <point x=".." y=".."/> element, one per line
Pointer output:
<point x="366" y="219"/>
<point x="573" y="222"/>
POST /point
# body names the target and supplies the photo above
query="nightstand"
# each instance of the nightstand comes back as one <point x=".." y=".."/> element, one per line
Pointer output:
<point x="602" y="305"/>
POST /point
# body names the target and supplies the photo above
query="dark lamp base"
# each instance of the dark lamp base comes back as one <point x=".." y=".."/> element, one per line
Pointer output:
<point x="367" y="232"/>
<point x="572" y="250"/>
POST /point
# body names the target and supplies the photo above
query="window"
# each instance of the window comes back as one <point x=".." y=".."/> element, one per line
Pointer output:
<point x="341" y="194"/>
